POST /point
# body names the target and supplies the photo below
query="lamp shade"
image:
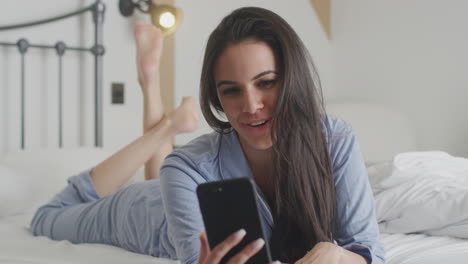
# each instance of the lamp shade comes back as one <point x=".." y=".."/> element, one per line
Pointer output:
<point x="166" y="17"/>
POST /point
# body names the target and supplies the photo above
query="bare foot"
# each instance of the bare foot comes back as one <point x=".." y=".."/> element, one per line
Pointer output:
<point x="185" y="117"/>
<point x="149" y="45"/>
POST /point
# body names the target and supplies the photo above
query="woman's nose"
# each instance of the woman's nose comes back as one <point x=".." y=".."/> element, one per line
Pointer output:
<point x="253" y="101"/>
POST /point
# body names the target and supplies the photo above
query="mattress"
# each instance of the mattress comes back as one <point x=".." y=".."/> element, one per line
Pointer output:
<point x="18" y="245"/>
<point x="29" y="179"/>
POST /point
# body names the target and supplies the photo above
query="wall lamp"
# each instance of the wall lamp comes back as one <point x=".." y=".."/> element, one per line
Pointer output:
<point x="165" y="17"/>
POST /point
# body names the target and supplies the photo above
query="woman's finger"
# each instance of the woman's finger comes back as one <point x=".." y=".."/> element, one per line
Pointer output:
<point x="223" y="248"/>
<point x="204" y="248"/>
<point x="249" y="251"/>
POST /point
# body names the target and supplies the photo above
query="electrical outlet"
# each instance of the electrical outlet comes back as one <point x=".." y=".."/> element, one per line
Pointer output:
<point x="118" y="93"/>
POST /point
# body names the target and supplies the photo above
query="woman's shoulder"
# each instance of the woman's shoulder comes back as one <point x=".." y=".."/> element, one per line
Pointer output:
<point x="336" y="128"/>
<point x="202" y="149"/>
<point x="340" y="138"/>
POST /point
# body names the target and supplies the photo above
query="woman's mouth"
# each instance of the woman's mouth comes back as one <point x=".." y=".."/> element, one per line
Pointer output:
<point x="258" y="125"/>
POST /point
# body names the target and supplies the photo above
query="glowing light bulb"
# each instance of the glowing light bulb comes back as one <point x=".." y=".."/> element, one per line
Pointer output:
<point x="167" y="19"/>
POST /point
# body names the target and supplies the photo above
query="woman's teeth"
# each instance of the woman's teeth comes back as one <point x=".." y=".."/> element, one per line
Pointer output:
<point x="259" y="123"/>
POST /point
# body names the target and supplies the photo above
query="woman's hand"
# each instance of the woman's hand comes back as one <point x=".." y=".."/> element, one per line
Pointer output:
<point x="323" y="253"/>
<point x="214" y="256"/>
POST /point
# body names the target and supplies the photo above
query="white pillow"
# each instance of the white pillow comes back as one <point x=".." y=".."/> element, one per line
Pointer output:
<point x="377" y="172"/>
<point x="15" y="192"/>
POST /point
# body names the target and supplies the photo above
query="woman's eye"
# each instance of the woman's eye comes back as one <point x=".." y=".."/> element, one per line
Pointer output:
<point x="267" y="83"/>
<point x="230" y="91"/>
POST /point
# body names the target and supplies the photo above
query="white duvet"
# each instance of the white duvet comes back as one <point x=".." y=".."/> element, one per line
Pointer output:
<point x="425" y="192"/>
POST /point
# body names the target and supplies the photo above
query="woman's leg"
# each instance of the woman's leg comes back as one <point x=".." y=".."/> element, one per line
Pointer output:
<point x="111" y="174"/>
<point x="149" y="44"/>
<point x="150" y="149"/>
<point x="131" y="218"/>
<point x="89" y="210"/>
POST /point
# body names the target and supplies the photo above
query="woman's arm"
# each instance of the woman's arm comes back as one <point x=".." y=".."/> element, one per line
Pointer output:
<point x="329" y="253"/>
<point x="352" y="258"/>
<point x="356" y="227"/>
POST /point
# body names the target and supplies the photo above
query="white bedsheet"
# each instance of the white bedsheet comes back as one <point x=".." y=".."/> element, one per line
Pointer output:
<point x="398" y="196"/>
<point x="17" y="245"/>
<point x="422" y="249"/>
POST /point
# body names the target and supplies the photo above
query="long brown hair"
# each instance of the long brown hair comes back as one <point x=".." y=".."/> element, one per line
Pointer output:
<point x="305" y="200"/>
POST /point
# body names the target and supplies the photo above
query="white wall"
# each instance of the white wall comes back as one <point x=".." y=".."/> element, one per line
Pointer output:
<point x="122" y="123"/>
<point x="41" y="76"/>
<point x="411" y="55"/>
<point x="202" y="16"/>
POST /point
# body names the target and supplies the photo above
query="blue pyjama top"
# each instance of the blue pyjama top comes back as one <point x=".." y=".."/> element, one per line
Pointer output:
<point x="162" y="217"/>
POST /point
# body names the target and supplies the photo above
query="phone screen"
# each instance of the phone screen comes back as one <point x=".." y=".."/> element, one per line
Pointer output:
<point x="228" y="206"/>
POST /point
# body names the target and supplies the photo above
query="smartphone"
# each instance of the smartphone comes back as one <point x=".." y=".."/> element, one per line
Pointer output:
<point x="228" y="206"/>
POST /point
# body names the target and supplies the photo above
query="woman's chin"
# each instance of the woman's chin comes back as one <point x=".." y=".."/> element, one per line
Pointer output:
<point x="261" y="145"/>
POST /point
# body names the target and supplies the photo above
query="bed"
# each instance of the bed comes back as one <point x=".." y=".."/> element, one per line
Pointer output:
<point x="31" y="172"/>
<point x="28" y="179"/>
<point x="421" y="197"/>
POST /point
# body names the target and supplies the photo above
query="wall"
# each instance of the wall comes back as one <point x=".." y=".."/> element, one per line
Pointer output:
<point x="202" y="16"/>
<point x="410" y="55"/>
<point x="122" y="123"/>
<point x="41" y="76"/>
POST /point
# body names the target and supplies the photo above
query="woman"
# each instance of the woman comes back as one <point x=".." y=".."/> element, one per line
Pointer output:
<point x="311" y="179"/>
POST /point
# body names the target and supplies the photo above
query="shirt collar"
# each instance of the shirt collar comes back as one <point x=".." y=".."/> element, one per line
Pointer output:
<point x="233" y="164"/>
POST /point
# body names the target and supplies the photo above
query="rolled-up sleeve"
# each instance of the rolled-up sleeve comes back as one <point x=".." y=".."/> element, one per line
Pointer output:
<point x="356" y="222"/>
<point x="179" y="180"/>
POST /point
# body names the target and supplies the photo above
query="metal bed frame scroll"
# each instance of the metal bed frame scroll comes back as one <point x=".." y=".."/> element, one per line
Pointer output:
<point x="98" y="9"/>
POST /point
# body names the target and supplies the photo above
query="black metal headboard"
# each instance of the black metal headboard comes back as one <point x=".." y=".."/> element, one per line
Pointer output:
<point x="97" y="50"/>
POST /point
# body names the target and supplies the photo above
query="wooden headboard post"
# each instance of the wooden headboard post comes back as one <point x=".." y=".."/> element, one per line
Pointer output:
<point x="168" y="67"/>
<point x="323" y="10"/>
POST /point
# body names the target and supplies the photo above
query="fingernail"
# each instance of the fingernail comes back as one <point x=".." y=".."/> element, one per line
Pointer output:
<point x="276" y="262"/>
<point x="258" y="243"/>
<point x="240" y="234"/>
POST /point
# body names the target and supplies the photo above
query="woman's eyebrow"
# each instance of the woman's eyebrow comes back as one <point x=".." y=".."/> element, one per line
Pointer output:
<point x="221" y="83"/>
<point x="263" y="73"/>
<point x="225" y="82"/>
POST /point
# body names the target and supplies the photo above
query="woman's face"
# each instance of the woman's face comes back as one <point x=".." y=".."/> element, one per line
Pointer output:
<point x="247" y="81"/>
